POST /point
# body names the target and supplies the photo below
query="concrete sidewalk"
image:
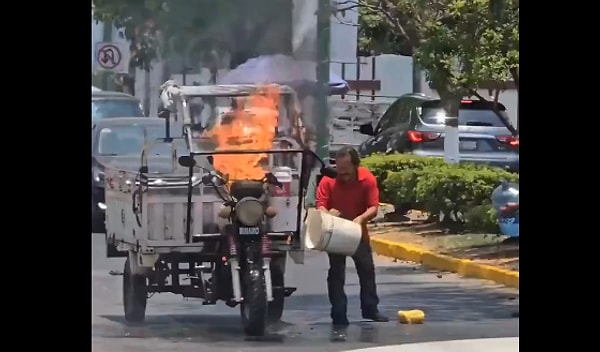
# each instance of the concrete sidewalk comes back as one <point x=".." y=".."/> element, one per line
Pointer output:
<point x="507" y="344"/>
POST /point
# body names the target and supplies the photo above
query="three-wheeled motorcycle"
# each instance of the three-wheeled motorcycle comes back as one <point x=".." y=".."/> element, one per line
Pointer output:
<point x="203" y="233"/>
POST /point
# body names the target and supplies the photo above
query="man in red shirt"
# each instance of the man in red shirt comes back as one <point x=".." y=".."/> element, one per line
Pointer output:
<point x="352" y="195"/>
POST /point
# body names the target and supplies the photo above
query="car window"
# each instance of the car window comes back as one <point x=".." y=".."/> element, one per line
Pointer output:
<point x="471" y="113"/>
<point x="466" y="117"/>
<point x="387" y="119"/>
<point x="107" y="108"/>
<point x="402" y="116"/>
<point x="130" y="140"/>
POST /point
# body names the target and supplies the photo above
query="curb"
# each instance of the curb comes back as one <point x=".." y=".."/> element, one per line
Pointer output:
<point x="502" y="344"/>
<point x="463" y="267"/>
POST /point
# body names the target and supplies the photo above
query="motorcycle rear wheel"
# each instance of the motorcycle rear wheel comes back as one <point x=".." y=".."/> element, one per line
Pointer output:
<point x="134" y="295"/>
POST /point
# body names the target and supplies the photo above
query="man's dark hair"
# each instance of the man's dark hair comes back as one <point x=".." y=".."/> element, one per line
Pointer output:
<point x="348" y="150"/>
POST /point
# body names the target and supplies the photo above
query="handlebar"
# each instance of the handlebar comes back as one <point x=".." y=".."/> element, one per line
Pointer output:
<point x="213" y="178"/>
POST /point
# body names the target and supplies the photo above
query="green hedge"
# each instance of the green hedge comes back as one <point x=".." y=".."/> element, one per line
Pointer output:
<point x="382" y="165"/>
<point x="431" y="185"/>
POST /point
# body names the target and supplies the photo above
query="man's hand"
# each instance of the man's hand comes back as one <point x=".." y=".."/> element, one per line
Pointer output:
<point x="331" y="211"/>
<point x="359" y="220"/>
<point x="334" y="212"/>
<point x="362" y="221"/>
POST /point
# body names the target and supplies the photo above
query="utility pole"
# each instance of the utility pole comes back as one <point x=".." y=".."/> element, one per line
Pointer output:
<point x="323" y="39"/>
<point x="184" y="70"/>
<point x="321" y="108"/>
<point x="107" y="77"/>
<point x="416" y="77"/>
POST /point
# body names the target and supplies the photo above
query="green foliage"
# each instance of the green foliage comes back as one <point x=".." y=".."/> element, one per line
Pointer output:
<point x="380" y="165"/>
<point x="482" y="218"/>
<point x="468" y="43"/>
<point x="384" y="166"/>
<point x="431" y="185"/>
<point x="454" y="189"/>
<point x="459" y="43"/>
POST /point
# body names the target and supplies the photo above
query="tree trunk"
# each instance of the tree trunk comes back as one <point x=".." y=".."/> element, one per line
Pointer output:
<point x="450" y="99"/>
<point x="451" y="103"/>
<point x="515" y="75"/>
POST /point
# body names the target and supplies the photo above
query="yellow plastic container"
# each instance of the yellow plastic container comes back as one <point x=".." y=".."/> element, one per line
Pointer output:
<point x="415" y="316"/>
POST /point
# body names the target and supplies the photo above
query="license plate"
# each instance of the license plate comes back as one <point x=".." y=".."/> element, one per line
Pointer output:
<point x="467" y="145"/>
<point x="247" y="231"/>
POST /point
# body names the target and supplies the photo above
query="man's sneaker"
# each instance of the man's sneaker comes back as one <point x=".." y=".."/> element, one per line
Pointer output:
<point x="376" y="316"/>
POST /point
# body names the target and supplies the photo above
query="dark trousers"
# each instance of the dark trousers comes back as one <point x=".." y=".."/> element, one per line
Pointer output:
<point x="363" y="260"/>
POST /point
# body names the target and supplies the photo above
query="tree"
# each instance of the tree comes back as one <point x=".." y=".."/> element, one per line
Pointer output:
<point x="199" y="30"/>
<point x="460" y="43"/>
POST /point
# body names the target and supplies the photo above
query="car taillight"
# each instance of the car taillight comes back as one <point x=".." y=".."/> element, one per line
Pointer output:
<point x="417" y="136"/>
<point x="510" y="140"/>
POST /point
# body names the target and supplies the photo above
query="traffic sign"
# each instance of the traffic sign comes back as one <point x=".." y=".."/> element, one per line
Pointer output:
<point x="112" y="57"/>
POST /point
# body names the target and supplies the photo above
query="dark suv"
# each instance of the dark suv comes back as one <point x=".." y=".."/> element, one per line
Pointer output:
<point x="415" y="124"/>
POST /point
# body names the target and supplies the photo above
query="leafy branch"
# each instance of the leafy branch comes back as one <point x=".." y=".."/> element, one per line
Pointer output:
<point x="459" y="43"/>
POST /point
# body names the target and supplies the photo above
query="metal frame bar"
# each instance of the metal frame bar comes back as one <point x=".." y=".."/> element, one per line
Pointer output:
<point x="301" y="192"/>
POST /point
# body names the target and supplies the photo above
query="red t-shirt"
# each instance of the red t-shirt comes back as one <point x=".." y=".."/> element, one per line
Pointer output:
<point x="351" y="198"/>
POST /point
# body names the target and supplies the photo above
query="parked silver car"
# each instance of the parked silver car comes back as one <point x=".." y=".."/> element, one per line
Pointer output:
<point x="107" y="104"/>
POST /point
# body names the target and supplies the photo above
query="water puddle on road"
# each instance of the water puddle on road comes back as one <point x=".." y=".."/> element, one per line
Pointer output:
<point x="228" y="329"/>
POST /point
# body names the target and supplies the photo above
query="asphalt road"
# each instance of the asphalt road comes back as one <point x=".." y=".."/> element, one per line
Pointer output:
<point x="456" y="308"/>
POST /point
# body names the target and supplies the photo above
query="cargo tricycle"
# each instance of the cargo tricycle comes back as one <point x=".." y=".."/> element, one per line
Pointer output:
<point x="221" y="225"/>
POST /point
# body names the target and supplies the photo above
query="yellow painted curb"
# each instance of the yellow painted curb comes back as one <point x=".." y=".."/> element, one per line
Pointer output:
<point x="463" y="267"/>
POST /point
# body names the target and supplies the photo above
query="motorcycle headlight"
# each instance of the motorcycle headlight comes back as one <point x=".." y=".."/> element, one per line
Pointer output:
<point x="249" y="211"/>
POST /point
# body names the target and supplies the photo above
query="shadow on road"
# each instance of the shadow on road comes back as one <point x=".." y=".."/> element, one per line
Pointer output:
<point x="227" y="329"/>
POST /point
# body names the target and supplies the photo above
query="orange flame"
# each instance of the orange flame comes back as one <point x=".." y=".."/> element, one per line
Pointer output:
<point x="250" y="126"/>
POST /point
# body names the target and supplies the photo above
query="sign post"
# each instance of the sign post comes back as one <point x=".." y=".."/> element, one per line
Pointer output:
<point x="112" y="57"/>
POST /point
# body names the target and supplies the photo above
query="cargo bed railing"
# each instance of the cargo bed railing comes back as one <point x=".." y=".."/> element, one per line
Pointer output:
<point x="303" y="180"/>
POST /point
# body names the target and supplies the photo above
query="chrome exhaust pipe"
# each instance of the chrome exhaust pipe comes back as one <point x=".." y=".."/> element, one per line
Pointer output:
<point x="268" y="283"/>
<point x="235" y="280"/>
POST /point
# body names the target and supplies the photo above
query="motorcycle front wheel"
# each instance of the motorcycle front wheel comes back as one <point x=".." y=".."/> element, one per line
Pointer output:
<point x="254" y="306"/>
<point x="275" y="307"/>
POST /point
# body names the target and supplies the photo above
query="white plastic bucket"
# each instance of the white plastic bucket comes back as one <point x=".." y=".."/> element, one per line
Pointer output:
<point x="331" y="234"/>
